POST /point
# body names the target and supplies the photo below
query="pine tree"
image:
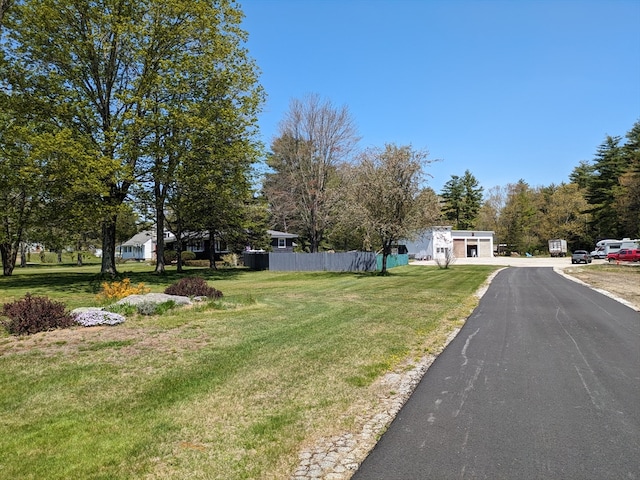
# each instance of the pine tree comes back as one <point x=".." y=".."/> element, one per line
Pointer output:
<point x="604" y="187"/>
<point x="627" y="201"/>
<point x="462" y="199"/>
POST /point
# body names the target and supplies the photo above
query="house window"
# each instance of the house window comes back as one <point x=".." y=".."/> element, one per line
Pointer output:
<point x="282" y="243"/>
<point x="196" y="246"/>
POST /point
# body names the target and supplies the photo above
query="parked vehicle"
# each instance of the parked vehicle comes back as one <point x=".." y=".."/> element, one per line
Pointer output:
<point x="598" y="253"/>
<point x="625" y="255"/>
<point x="581" y="256"/>
<point x="558" y="247"/>
<point x="613" y="246"/>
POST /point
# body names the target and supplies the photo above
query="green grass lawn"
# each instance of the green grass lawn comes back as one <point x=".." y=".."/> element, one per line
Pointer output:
<point x="232" y="389"/>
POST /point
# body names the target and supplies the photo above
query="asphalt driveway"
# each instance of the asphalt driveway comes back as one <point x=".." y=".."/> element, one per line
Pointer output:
<point x="543" y="381"/>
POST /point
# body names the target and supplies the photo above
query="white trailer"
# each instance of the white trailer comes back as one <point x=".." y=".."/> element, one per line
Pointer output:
<point x="558" y="247"/>
<point x="607" y="246"/>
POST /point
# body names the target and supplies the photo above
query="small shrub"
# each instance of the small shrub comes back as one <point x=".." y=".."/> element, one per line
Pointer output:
<point x="197" y="263"/>
<point x="35" y="314"/>
<point x="193" y="287"/>
<point x="124" y="309"/>
<point x="230" y="259"/>
<point x="147" y="308"/>
<point x="187" y="256"/>
<point x="444" y="262"/>
<point x="48" y="257"/>
<point x="162" y="308"/>
<point x="118" y="290"/>
<point x="170" y="256"/>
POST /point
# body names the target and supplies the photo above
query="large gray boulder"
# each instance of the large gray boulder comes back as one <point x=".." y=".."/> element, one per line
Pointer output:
<point x="93" y="316"/>
<point x="154" y="298"/>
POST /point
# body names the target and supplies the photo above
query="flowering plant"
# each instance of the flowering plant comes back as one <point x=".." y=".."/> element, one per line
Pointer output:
<point x="116" y="290"/>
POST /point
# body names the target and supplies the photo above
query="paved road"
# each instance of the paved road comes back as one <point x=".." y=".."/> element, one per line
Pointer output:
<point x="542" y="382"/>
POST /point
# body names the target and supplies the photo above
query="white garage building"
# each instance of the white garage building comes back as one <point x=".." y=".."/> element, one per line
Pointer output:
<point x="436" y="242"/>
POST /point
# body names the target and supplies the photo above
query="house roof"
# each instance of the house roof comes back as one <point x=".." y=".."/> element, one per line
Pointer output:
<point x="277" y="234"/>
<point x="140" y="238"/>
<point x="481" y="233"/>
<point x="143" y="237"/>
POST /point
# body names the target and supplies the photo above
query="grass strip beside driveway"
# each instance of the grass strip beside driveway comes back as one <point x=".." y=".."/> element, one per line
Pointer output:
<point x="232" y="389"/>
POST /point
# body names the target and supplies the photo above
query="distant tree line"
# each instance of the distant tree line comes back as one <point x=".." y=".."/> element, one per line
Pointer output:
<point x="601" y="200"/>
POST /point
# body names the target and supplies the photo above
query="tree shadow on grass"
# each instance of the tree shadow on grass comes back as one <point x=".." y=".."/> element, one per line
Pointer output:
<point x="49" y="281"/>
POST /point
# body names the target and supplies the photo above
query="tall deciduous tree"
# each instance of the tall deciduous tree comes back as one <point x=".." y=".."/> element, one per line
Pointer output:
<point x="44" y="176"/>
<point x="314" y="137"/>
<point x="561" y="214"/>
<point x="388" y="195"/>
<point x="114" y="70"/>
<point x="489" y="216"/>
<point x="204" y="118"/>
<point x="462" y="199"/>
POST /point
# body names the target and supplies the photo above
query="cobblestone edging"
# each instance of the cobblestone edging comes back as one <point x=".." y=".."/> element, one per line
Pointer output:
<point x="339" y="457"/>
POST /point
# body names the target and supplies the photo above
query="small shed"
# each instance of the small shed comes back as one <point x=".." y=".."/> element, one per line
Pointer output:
<point x="282" y="242"/>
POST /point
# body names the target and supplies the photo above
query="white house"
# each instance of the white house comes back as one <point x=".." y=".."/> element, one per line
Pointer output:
<point x="140" y="247"/>
<point x="433" y="243"/>
<point x="437" y="242"/>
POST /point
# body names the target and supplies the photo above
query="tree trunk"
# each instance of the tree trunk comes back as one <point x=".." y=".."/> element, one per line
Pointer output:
<point x="386" y="251"/>
<point x="179" y="251"/>
<point x="23" y="254"/>
<point x="79" y="258"/>
<point x="160" y="266"/>
<point x="9" y="255"/>
<point x="179" y="254"/>
<point x="384" y="262"/>
<point x="109" y="247"/>
<point x="212" y="249"/>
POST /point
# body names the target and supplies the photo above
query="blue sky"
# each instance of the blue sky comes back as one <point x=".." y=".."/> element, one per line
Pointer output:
<point x="507" y="89"/>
